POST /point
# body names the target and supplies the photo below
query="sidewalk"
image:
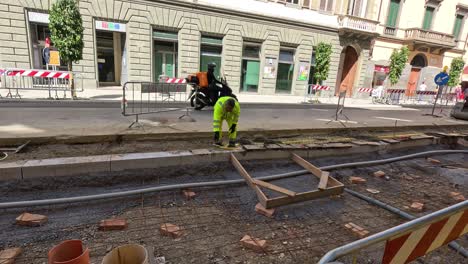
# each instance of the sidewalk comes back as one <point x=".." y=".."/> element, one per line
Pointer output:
<point x="115" y="94"/>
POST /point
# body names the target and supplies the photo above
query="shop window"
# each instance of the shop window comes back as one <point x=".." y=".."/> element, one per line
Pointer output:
<point x="458" y="26"/>
<point x="393" y="11"/>
<point x="211" y="51"/>
<point x="165" y="54"/>
<point x="428" y="16"/>
<point x="250" y="67"/>
<point x="312" y="79"/>
<point x="285" y="74"/>
<point x="39" y="33"/>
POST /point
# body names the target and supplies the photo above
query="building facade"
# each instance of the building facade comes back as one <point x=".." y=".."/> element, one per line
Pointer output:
<point x="435" y="32"/>
<point x="260" y="46"/>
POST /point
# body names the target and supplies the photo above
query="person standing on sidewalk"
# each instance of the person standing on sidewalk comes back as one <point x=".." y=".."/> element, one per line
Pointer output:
<point x="226" y="108"/>
<point x="422" y="88"/>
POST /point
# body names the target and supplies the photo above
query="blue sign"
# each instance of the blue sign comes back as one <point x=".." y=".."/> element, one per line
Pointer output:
<point x="441" y="78"/>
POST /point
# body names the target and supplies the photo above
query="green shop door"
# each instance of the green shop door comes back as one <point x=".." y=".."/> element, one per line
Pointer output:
<point x="252" y="74"/>
<point x="164" y="64"/>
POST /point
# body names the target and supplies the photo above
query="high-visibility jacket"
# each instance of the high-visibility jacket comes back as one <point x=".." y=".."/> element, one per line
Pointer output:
<point x="231" y="117"/>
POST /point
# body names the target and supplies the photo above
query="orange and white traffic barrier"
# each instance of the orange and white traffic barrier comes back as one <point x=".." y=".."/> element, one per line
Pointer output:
<point x="365" y="90"/>
<point x="39" y="74"/>
<point x="175" y="80"/>
<point x="320" y="87"/>
<point x="410" y="246"/>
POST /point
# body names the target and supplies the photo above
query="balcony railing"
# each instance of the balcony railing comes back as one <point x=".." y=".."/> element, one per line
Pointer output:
<point x="390" y="31"/>
<point x="358" y="23"/>
<point x="429" y="36"/>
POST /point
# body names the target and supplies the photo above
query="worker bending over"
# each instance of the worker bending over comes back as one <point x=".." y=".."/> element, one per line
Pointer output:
<point x="226" y="108"/>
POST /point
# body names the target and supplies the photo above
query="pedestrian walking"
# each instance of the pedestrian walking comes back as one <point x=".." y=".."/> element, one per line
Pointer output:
<point x="421" y="89"/>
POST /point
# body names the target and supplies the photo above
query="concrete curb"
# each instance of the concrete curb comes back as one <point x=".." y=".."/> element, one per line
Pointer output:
<point x="88" y="139"/>
<point x="75" y="166"/>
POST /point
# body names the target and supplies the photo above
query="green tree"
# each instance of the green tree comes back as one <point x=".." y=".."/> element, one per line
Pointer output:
<point x="66" y="27"/>
<point x="398" y="61"/>
<point x="322" y="61"/>
<point x="456" y="68"/>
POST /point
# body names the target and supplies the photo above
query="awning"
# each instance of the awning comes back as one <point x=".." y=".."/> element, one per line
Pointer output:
<point x="464" y="77"/>
<point x="383" y="69"/>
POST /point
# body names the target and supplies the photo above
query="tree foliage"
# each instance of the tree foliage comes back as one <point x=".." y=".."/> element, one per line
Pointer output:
<point x="322" y="61"/>
<point x="398" y="61"/>
<point x="456" y="68"/>
<point x="66" y="27"/>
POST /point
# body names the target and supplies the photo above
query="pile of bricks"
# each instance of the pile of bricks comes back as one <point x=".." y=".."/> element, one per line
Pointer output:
<point x="357" y="180"/>
<point x="257" y="245"/>
<point x="170" y="230"/>
<point x="27" y="219"/>
<point x="9" y="255"/>
<point x="113" y="224"/>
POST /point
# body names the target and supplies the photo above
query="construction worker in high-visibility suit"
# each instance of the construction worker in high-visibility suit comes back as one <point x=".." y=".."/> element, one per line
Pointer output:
<point x="226" y="108"/>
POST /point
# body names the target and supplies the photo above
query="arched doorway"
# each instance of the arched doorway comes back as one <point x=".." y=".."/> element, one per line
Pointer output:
<point x="349" y="70"/>
<point x="417" y="63"/>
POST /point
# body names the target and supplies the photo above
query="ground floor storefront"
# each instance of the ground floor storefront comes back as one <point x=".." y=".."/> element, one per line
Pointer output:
<point x="147" y="41"/>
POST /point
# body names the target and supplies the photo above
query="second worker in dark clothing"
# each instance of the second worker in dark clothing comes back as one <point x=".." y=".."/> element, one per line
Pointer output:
<point x="213" y="88"/>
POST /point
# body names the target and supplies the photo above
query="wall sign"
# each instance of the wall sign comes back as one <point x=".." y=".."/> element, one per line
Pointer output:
<point x="269" y="70"/>
<point x="110" y="26"/>
<point x="54" y="58"/>
<point x="38" y="17"/>
<point x="303" y="71"/>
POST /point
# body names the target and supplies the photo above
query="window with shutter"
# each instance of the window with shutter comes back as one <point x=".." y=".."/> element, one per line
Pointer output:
<point x="457" y="26"/>
<point x="393" y="13"/>
<point x="326" y="5"/>
<point x="428" y="15"/>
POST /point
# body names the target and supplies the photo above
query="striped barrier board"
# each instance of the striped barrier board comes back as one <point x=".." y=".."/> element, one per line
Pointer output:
<point x="410" y="246"/>
<point x="175" y="80"/>
<point x="320" y="87"/>
<point x="39" y="74"/>
<point x="396" y="91"/>
<point x="365" y="90"/>
<point x="426" y="92"/>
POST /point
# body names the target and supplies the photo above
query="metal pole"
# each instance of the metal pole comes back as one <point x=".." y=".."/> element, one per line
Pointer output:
<point x="435" y="101"/>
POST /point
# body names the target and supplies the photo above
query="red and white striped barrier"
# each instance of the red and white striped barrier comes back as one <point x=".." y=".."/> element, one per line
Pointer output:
<point x="365" y="90"/>
<point x="39" y="74"/>
<point x="410" y="246"/>
<point x="400" y="91"/>
<point x="320" y="87"/>
<point x="426" y="92"/>
<point x="175" y="80"/>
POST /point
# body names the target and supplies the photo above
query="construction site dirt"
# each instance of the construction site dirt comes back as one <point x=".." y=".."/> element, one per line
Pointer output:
<point x="216" y="219"/>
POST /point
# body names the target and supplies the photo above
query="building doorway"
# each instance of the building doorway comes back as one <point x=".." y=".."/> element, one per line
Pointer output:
<point x="165" y="54"/>
<point x="109" y="49"/>
<point x="250" y="67"/>
<point x="418" y="62"/>
<point x="349" y="71"/>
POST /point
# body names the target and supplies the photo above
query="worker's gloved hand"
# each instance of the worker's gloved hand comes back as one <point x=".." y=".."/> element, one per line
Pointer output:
<point x="232" y="129"/>
<point x="232" y="144"/>
<point x="217" y="141"/>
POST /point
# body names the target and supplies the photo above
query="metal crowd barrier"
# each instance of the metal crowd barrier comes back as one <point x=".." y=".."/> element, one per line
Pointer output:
<point x="16" y="80"/>
<point x="442" y="227"/>
<point x="313" y="92"/>
<point x="141" y="98"/>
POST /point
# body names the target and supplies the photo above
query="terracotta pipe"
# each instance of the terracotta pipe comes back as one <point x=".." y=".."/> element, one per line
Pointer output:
<point x="69" y="252"/>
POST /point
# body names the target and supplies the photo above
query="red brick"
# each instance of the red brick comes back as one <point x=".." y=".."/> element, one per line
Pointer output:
<point x="357" y="230"/>
<point x="8" y="256"/>
<point x="255" y="244"/>
<point x="357" y="180"/>
<point x="27" y="219"/>
<point x="417" y="207"/>
<point x="373" y="191"/>
<point x="379" y="174"/>
<point x="458" y="197"/>
<point x="433" y="161"/>
<point x="170" y="230"/>
<point x="113" y="224"/>
<point x="189" y="195"/>
<point x="263" y="211"/>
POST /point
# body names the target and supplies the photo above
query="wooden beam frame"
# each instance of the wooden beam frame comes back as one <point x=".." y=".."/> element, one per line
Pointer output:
<point x="328" y="186"/>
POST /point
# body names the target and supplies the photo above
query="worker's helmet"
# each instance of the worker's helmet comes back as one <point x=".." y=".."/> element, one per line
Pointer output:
<point x="211" y="66"/>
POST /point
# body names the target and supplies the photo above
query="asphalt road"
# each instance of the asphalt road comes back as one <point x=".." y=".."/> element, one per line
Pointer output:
<point x="27" y="122"/>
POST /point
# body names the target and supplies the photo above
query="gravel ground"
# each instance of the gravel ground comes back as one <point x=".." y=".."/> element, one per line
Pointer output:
<point x="218" y="218"/>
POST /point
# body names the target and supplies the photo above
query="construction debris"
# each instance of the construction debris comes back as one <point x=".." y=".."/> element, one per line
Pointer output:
<point x="357" y="180"/>
<point x="257" y="245"/>
<point x="113" y="224"/>
<point x="379" y="174"/>
<point x="458" y="197"/>
<point x="373" y="191"/>
<point x="433" y="161"/>
<point x="357" y="230"/>
<point x="27" y="219"/>
<point x="263" y="211"/>
<point x="9" y="255"/>
<point x="170" y="230"/>
<point x="189" y="195"/>
<point x="417" y="207"/>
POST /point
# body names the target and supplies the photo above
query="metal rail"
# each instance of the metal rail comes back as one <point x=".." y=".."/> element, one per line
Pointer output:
<point x="392" y="232"/>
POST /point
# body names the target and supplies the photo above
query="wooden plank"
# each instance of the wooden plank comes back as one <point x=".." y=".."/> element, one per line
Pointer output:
<point x="273" y="187"/>
<point x="332" y="182"/>
<point x="323" y="180"/>
<point x="301" y="197"/>
<point x="260" y="195"/>
<point x="306" y="165"/>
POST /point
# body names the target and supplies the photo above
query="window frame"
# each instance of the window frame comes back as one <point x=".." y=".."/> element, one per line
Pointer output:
<point x="397" y="20"/>
<point x="332" y="11"/>
<point x="432" y="17"/>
